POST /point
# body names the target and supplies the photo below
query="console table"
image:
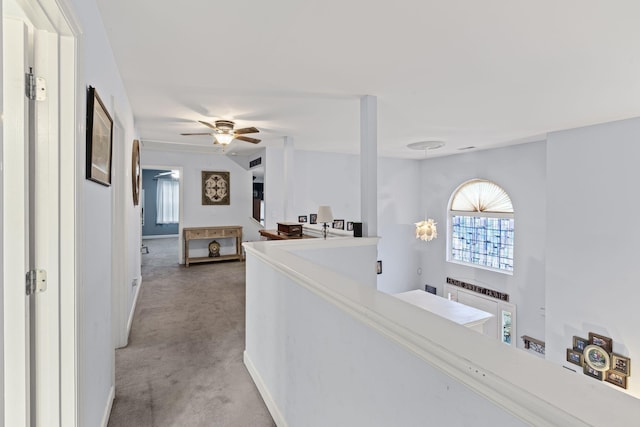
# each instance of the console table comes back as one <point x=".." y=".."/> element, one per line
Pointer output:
<point x="275" y="235"/>
<point x="222" y="232"/>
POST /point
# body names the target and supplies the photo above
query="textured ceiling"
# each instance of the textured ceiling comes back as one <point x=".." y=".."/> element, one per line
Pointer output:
<point x="471" y="73"/>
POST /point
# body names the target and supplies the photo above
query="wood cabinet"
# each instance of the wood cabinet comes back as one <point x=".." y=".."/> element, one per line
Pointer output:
<point x="221" y="232"/>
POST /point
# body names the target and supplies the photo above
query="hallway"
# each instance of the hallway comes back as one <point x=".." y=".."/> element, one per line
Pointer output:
<point x="183" y="365"/>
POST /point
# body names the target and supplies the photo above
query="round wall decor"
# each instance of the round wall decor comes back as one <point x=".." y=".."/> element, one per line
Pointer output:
<point x="136" y="172"/>
<point x="597" y="358"/>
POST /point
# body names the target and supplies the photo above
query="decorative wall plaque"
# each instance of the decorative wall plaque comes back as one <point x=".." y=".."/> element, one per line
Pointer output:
<point x="216" y="188"/>
<point x="598" y="361"/>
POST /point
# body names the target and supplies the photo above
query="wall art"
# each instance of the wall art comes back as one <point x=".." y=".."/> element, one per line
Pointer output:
<point x="216" y="188"/>
<point x="99" y="139"/>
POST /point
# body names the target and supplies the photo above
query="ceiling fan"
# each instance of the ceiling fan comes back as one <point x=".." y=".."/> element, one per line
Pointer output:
<point x="224" y="133"/>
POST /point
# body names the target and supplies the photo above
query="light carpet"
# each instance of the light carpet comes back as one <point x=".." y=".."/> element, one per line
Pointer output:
<point x="183" y="364"/>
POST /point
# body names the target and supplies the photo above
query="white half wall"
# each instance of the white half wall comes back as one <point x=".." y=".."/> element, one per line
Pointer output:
<point x="592" y="267"/>
<point x="520" y="170"/>
<point x="325" y="350"/>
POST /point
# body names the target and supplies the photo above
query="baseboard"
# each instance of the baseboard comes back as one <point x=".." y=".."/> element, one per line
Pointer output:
<point x="133" y="307"/>
<point x="160" y="236"/>
<point x="264" y="392"/>
<point x="107" y="412"/>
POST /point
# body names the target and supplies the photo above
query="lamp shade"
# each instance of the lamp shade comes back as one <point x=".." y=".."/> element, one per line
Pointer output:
<point x="325" y="214"/>
<point x="426" y="230"/>
<point x="224" y="138"/>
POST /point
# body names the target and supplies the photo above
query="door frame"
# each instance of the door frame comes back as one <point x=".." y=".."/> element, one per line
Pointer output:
<point x="180" y="200"/>
<point x="58" y="17"/>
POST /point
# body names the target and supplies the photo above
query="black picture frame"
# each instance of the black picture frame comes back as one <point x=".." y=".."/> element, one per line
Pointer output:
<point x="350" y="226"/>
<point x="302" y="218"/>
<point x="379" y="267"/>
<point x="574" y="356"/>
<point x="590" y="372"/>
<point x="580" y="343"/>
<point x="99" y="140"/>
<point x="338" y="224"/>
<point x="313" y="218"/>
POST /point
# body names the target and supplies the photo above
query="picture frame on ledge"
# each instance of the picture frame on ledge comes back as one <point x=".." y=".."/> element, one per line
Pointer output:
<point x="313" y="218"/>
<point x="99" y="140"/>
<point x="338" y="224"/>
<point x="302" y="218"/>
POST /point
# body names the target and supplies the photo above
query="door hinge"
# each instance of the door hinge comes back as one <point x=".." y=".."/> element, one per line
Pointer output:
<point x="35" y="88"/>
<point x="36" y="281"/>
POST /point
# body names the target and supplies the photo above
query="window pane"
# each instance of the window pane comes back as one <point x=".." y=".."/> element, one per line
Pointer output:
<point x="483" y="241"/>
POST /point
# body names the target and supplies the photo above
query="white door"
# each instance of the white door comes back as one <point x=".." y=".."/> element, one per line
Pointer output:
<point x="30" y="226"/>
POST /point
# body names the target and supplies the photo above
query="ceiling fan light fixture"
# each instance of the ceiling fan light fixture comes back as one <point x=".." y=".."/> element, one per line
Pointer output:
<point x="224" y="138"/>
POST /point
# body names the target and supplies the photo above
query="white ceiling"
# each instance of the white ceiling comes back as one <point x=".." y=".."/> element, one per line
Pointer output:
<point x="472" y="73"/>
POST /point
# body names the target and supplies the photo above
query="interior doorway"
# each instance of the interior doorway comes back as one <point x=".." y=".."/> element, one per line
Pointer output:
<point x="162" y="205"/>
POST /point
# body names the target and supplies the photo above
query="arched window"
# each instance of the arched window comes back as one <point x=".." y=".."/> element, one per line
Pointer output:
<point x="481" y="226"/>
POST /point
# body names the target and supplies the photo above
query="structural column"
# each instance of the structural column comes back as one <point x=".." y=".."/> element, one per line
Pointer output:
<point x="369" y="165"/>
<point x="288" y="178"/>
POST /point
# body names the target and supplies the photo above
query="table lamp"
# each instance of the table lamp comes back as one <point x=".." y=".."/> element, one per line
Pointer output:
<point x="324" y="216"/>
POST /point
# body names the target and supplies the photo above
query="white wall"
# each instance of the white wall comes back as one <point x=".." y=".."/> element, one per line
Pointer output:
<point x="592" y="266"/>
<point x="334" y="179"/>
<point x="399" y="196"/>
<point x="98" y="69"/>
<point x="520" y="170"/>
<point x="195" y="213"/>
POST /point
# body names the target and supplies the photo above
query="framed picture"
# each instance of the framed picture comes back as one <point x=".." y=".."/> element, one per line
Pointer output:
<point x="597" y="358"/>
<point x="350" y="226"/>
<point x="575" y="357"/>
<point x="620" y="364"/>
<point x="338" y="223"/>
<point x="216" y="188"/>
<point x="302" y="218"/>
<point x="616" y="378"/>
<point x="379" y="267"/>
<point x="602" y="341"/>
<point x="99" y="139"/>
<point x="136" y="172"/>
<point x="589" y="371"/>
<point x="313" y="218"/>
<point x="580" y="343"/>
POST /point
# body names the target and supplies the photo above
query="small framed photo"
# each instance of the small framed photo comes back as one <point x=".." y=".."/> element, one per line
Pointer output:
<point x="620" y="364"/>
<point x="338" y="224"/>
<point x="589" y="371"/>
<point x="580" y="343"/>
<point x="99" y="140"/>
<point x="379" y="267"/>
<point x="302" y="218"/>
<point x="602" y="341"/>
<point x="350" y="226"/>
<point x="313" y="218"/>
<point x="615" y="378"/>
<point x="575" y="357"/>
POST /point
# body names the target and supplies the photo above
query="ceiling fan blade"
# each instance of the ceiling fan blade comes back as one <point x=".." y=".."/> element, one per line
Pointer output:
<point x="208" y="124"/>
<point x="248" y="139"/>
<point x="200" y="133"/>
<point x="246" y="130"/>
